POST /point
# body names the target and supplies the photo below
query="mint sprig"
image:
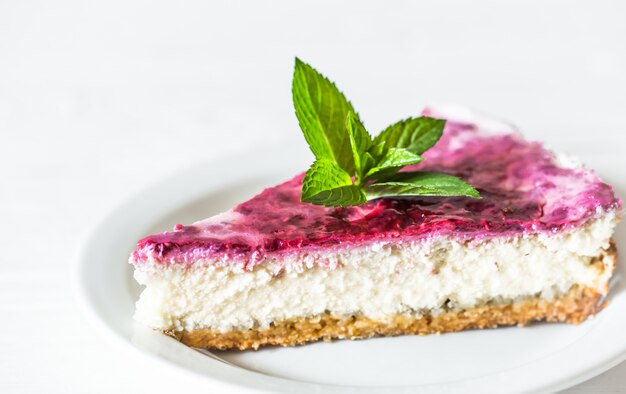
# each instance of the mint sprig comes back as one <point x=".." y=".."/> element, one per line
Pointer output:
<point x="351" y="167"/>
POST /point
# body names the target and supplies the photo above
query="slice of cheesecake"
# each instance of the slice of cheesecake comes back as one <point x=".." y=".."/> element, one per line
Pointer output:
<point x="276" y="271"/>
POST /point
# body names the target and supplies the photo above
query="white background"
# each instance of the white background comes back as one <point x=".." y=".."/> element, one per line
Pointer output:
<point x="100" y="99"/>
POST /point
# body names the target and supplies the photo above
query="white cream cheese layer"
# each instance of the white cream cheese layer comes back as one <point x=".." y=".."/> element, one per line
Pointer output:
<point x="376" y="280"/>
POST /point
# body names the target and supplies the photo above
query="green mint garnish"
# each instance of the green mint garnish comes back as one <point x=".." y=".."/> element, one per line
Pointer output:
<point x="322" y="111"/>
<point x="420" y="183"/>
<point x="351" y="167"/>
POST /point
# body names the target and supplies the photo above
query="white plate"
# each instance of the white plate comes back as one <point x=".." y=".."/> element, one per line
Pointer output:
<point x="539" y="358"/>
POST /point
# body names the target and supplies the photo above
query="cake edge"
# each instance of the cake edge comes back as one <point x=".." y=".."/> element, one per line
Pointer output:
<point x="573" y="307"/>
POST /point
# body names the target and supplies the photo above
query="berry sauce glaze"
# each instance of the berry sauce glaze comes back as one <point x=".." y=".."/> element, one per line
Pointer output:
<point x="524" y="190"/>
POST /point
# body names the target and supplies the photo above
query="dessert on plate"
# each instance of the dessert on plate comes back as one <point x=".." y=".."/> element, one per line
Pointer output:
<point x="276" y="270"/>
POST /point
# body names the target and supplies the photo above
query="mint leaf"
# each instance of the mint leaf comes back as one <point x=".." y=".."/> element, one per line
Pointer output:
<point x="373" y="155"/>
<point x="339" y="197"/>
<point x="421" y="184"/>
<point x="360" y="142"/>
<point x="413" y="134"/>
<point x="325" y="183"/>
<point x="377" y="150"/>
<point x="322" y="111"/>
<point x="350" y="166"/>
<point x="393" y="160"/>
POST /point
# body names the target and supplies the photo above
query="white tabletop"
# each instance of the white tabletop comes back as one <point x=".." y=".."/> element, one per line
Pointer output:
<point x="100" y="99"/>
